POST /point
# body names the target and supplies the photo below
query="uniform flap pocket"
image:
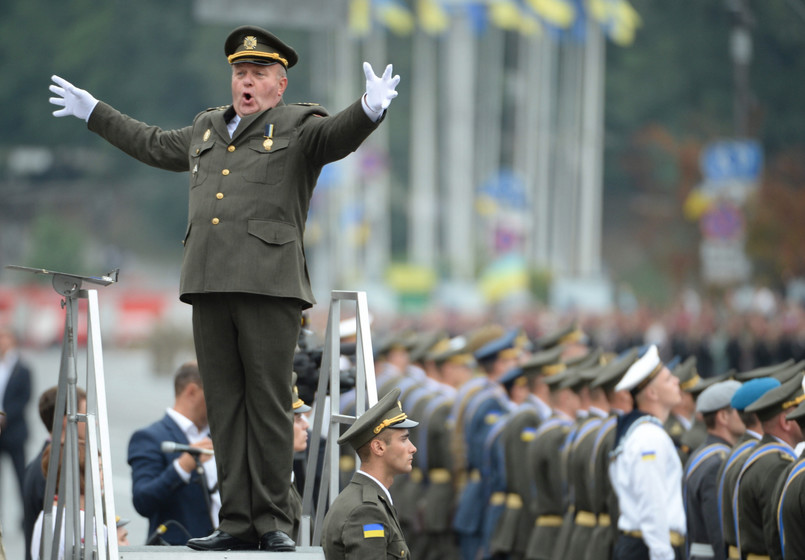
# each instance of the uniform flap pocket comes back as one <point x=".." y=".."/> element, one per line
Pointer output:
<point x="275" y="233"/>
<point x="266" y="145"/>
<point x="397" y="549"/>
<point x="198" y="149"/>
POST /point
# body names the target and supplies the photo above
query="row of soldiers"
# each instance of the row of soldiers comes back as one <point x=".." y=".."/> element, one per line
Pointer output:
<point x="516" y="441"/>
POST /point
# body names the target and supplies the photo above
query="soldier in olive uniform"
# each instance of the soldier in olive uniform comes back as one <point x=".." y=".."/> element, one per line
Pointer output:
<point x="253" y="166"/>
<point x="790" y="499"/>
<point x="751" y="391"/>
<point x="545" y="470"/>
<point x="755" y="513"/>
<point x="603" y="500"/>
<point x="362" y="522"/>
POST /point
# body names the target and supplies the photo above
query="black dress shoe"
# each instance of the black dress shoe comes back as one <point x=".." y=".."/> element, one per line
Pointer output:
<point x="219" y="540"/>
<point x="277" y="541"/>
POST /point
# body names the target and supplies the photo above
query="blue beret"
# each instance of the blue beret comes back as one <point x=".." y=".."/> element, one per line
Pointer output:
<point x="751" y="391"/>
<point x="491" y="350"/>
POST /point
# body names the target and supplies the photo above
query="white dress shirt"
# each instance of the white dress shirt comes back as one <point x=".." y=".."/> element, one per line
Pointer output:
<point x="646" y="475"/>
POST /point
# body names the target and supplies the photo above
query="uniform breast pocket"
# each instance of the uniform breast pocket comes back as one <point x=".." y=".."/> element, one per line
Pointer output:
<point x="267" y="158"/>
<point x="200" y="155"/>
<point x="397" y="550"/>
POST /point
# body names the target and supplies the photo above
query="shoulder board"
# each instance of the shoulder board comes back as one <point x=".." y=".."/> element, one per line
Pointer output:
<point x="307" y="104"/>
<point x="221" y="108"/>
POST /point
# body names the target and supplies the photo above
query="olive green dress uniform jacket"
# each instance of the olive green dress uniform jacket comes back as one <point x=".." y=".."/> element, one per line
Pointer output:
<point x="546" y="472"/>
<point x="248" y="200"/>
<point x="351" y="529"/>
<point x="440" y="493"/>
<point x="757" y="515"/>
<point x="727" y="477"/>
<point x="603" y="498"/>
<point x="580" y="476"/>
<point x="790" y="510"/>
<point x="515" y="524"/>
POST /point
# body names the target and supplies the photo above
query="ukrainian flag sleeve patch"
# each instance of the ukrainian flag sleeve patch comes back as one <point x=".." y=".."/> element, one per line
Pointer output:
<point x="648" y="455"/>
<point x="373" y="530"/>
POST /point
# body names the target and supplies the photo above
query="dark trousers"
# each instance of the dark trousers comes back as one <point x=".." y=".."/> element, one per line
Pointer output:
<point x="245" y="345"/>
<point x="633" y="548"/>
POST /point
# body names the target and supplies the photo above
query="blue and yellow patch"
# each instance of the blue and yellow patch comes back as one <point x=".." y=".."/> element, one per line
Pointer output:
<point x="373" y="530"/>
<point x="491" y="418"/>
<point x="528" y="434"/>
<point x="648" y="455"/>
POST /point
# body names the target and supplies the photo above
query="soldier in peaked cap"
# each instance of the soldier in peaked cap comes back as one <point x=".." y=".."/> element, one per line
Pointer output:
<point x="788" y="497"/>
<point x="570" y="338"/>
<point x="253" y="166"/>
<point x="602" y="498"/>
<point x="362" y="521"/>
<point x="724" y="427"/>
<point x="749" y="392"/>
<point x="683" y="415"/>
<point x="646" y="473"/>
<point x="753" y="505"/>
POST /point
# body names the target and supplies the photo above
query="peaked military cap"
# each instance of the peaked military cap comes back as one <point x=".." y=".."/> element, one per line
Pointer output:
<point x="799" y="412"/>
<point x="250" y="43"/>
<point x="576" y="378"/>
<point x="502" y="346"/>
<point x="547" y="363"/>
<point x="785" y="374"/>
<point x="426" y="342"/>
<point x="299" y="405"/>
<point x="481" y="336"/>
<point x="590" y="359"/>
<point x="514" y="376"/>
<point x="641" y="372"/>
<point x="687" y="374"/>
<point x="717" y="396"/>
<point x="611" y="374"/>
<point x="766" y="371"/>
<point x="564" y="335"/>
<point x="751" y="391"/>
<point x="455" y="351"/>
<point x="782" y="399"/>
<point x="386" y="413"/>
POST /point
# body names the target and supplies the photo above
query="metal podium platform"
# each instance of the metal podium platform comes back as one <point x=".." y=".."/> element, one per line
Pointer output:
<point x="71" y="523"/>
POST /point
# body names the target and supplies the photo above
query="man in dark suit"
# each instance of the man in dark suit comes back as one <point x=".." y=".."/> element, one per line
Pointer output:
<point x="15" y="392"/>
<point x="253" y="166"/>
<point x="167" y="488"/>
<point x="362" y="522"/>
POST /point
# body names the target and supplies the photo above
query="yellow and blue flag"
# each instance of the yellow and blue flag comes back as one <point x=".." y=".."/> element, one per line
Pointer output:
<point x="373" y="530"/>
<point x="433" y="18"/>
<point x="395" y="15"/>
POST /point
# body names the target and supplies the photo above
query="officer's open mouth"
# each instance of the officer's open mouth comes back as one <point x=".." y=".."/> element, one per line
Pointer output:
<point x="247" y="96"/>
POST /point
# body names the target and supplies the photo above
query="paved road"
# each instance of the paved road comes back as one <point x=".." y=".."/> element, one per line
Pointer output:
<point x="136" y="396"/>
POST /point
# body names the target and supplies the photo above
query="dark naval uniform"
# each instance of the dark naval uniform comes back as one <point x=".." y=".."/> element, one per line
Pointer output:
<point x="705" y="538"/>
<point x="244" y="271"/>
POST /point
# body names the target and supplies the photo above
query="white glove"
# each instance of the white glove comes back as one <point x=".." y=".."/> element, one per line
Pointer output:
<point x="76" y="102"/>
<point x="379" y="91"/>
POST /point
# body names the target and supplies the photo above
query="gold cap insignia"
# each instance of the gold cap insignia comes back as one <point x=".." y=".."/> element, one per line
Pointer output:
<point x="250" y="42"/>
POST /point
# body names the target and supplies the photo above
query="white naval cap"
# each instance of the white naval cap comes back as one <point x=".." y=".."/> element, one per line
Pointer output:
<point x="641" y="372"/>
<point x="717" y="396"/>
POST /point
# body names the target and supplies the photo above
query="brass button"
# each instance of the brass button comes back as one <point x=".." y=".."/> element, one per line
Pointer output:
<point x="197" y="150"/>
<point x="225" y="172"/>
<point x="219" y="196"/>
<point x="215" y="221"/>
<point x="230" y="148"/>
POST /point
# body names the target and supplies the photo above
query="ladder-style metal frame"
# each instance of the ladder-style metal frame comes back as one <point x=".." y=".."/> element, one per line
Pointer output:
<point x="330" y="375"/>
<point x="88" y="542"/>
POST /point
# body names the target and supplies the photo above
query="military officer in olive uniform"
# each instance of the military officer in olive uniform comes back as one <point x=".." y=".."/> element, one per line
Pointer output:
<point x="253" y="166"/>
<point x="756" y="516"/>
<point x="749" y="392"/>
<point x="362" y="522"/>
<point x="789" y="497"/>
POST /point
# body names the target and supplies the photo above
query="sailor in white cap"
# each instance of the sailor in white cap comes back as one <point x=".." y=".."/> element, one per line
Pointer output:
<point x="646" y="473"/>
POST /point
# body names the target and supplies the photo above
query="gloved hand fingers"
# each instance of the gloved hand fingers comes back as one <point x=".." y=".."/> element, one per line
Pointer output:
<point x="369" y="72"/>
<point x="58" y="101"/>
<point x="57" y="90"/>
<point x="387" y="73"/>
<point x="62" y="113"/>
<point x="61" y="81"/>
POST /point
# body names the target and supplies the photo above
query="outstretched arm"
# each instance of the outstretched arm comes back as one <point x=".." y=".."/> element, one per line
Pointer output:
<point x="74" y="101"/>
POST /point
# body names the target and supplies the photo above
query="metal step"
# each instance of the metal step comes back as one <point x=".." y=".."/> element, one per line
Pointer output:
<point x="185" y="553"/>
